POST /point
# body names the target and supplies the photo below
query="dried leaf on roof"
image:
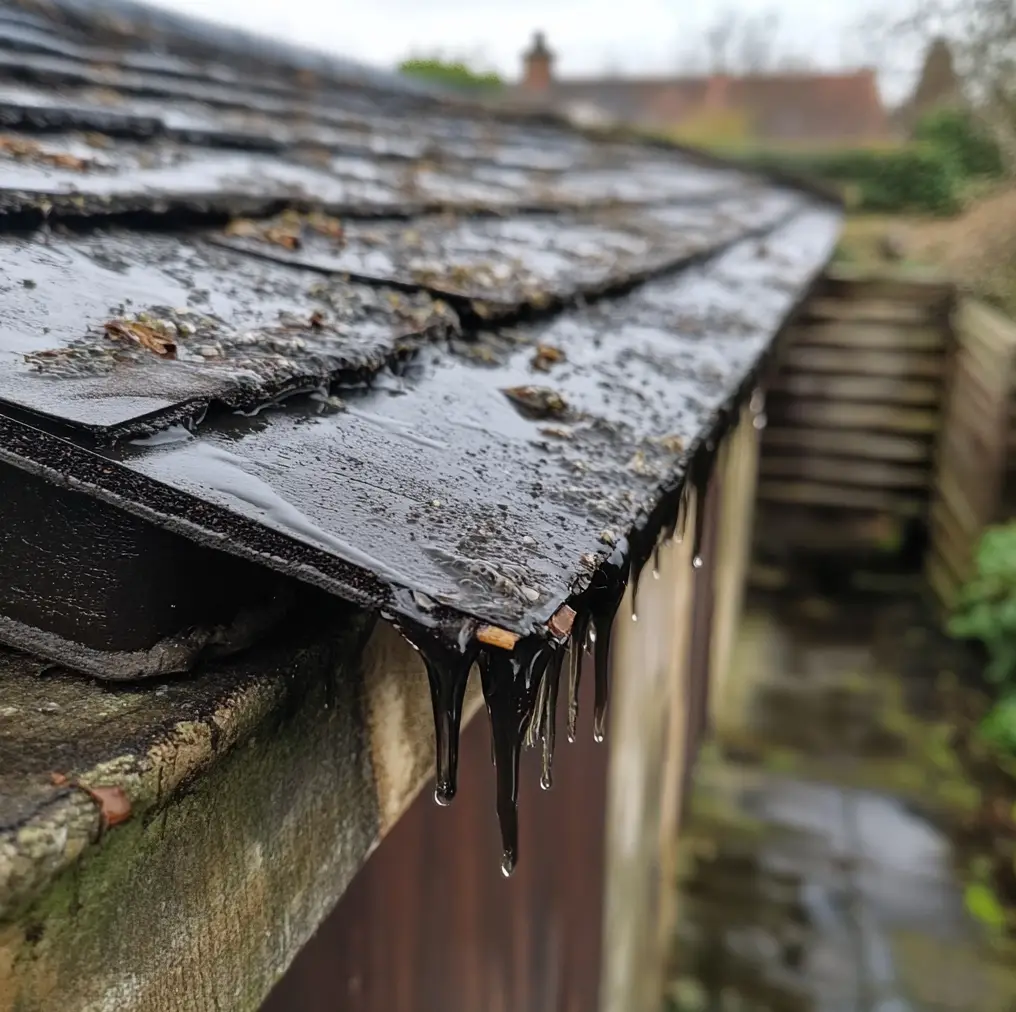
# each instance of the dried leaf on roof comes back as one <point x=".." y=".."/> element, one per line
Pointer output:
<point x="25" y="150"/>
<point x="545" y="356"/>
<point x="537" y="402"/>
<point x="114" y="805"/>
<point x="141" y="333"/>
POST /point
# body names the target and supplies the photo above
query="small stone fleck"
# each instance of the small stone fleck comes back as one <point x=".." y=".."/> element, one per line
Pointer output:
<point x="50" y="707"/>
<point x="608" y="537"/>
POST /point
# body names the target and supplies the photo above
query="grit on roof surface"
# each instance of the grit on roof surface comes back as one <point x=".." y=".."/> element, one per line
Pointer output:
<point x="432" y="358"/>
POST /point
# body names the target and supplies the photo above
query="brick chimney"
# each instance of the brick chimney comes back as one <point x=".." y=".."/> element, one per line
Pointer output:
<point x="538" y="63"/>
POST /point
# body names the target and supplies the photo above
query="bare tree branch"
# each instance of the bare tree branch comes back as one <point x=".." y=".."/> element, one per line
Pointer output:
<point x="719" y="37"/>
<point x="739" y="43"/>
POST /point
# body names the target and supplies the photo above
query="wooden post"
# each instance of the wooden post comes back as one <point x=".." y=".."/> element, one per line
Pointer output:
<point x="648" y="730"/>
<point x="739" y="468"/>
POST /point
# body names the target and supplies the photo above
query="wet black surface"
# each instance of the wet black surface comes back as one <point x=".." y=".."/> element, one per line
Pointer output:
<point x="244" y="329"/>
<point x="458" y="366"/>
<point x="501" y="263"/>
<point x="492" y="513"/>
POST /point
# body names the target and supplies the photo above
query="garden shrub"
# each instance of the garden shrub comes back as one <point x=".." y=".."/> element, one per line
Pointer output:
<point x="958" y="135"/>
<point x="987" y="612"/>
<point x="450" y="74"/>
<point x="913" y="178"/>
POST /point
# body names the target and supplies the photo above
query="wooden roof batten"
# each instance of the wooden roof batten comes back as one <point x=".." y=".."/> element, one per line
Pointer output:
<point x="280" y="356"/>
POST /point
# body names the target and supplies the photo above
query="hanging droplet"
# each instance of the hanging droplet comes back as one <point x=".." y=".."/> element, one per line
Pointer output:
<point x="511" y="684"/>
<point x="448" y="663"/>
<point x="552" y="678"/>
<point x="634" y="617"/>
<point x="534" y="731"/>
<point x="576" y="652"/>
<point x="605" y="593"/>
<point x="701" y="472"/>
<point x="759" y="422"/>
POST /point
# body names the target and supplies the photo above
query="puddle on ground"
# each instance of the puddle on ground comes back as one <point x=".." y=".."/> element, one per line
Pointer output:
<point x="812" y="881"/>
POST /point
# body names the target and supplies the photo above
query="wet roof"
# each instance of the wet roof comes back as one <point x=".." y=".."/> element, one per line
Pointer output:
<point x="423" y="356"/>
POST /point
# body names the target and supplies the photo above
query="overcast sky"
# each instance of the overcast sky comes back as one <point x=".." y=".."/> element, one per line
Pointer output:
<point x="589" y="36"/>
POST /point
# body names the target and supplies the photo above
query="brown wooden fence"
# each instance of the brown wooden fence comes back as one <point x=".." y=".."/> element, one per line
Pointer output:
<point x="975" y="455"/>
<point x="892" y="431"/>
<point x="854" y="414"/>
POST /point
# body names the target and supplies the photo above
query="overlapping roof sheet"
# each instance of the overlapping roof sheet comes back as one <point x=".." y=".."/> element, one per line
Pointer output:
<point x="423" y="355"/>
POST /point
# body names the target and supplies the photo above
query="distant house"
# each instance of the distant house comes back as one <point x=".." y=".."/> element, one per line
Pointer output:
<point x="780" y="108"/>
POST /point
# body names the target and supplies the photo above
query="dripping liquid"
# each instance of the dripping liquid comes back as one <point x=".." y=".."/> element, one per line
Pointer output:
<point x="511" y="683"/>
<point x="552" y="679"/>
<point x="576" y="652"/>
<point x="448" y="663"/>
<point x="521" y="686"/>
<point x="605" y="593"/>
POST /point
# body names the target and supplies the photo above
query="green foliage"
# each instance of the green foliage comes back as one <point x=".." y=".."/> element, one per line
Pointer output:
<point x="987" y="612"/>
<point x="450" y="74"/>
<point x="998" y="728"/>
<point x="914" y="178"/>
<point x="987" y="606"/>
<point x="958" y="135"/>
<point x="983" y="905"/>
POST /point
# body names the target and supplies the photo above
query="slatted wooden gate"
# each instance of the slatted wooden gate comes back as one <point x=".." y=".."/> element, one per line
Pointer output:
<point x="974" y="456"/>
<point x="846" y="463"/>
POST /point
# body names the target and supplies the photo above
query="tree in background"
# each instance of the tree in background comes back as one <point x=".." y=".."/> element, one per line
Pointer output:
<point x="736" y="42"/>
<point x="456" y="74"/>
<point x="980" y="35"/>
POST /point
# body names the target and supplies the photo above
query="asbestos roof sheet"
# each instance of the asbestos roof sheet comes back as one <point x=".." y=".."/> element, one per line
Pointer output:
<point x="424" y="357"/>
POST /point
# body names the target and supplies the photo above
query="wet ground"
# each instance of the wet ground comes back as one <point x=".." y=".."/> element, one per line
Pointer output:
<point x="822" y="869"/>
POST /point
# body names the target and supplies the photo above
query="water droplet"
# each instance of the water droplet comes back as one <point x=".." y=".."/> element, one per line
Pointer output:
<point x="701" y="472"/>
<point x="656" y="573"/>
<point x="576" y="651"/>
<point x="606" y="592"/>
<point x="759" y="421"/>
<point x="634" y="617"/>
<point x="448" y="663"/>
<point x="511" y="684"/>
<point x="552" y="677"/>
